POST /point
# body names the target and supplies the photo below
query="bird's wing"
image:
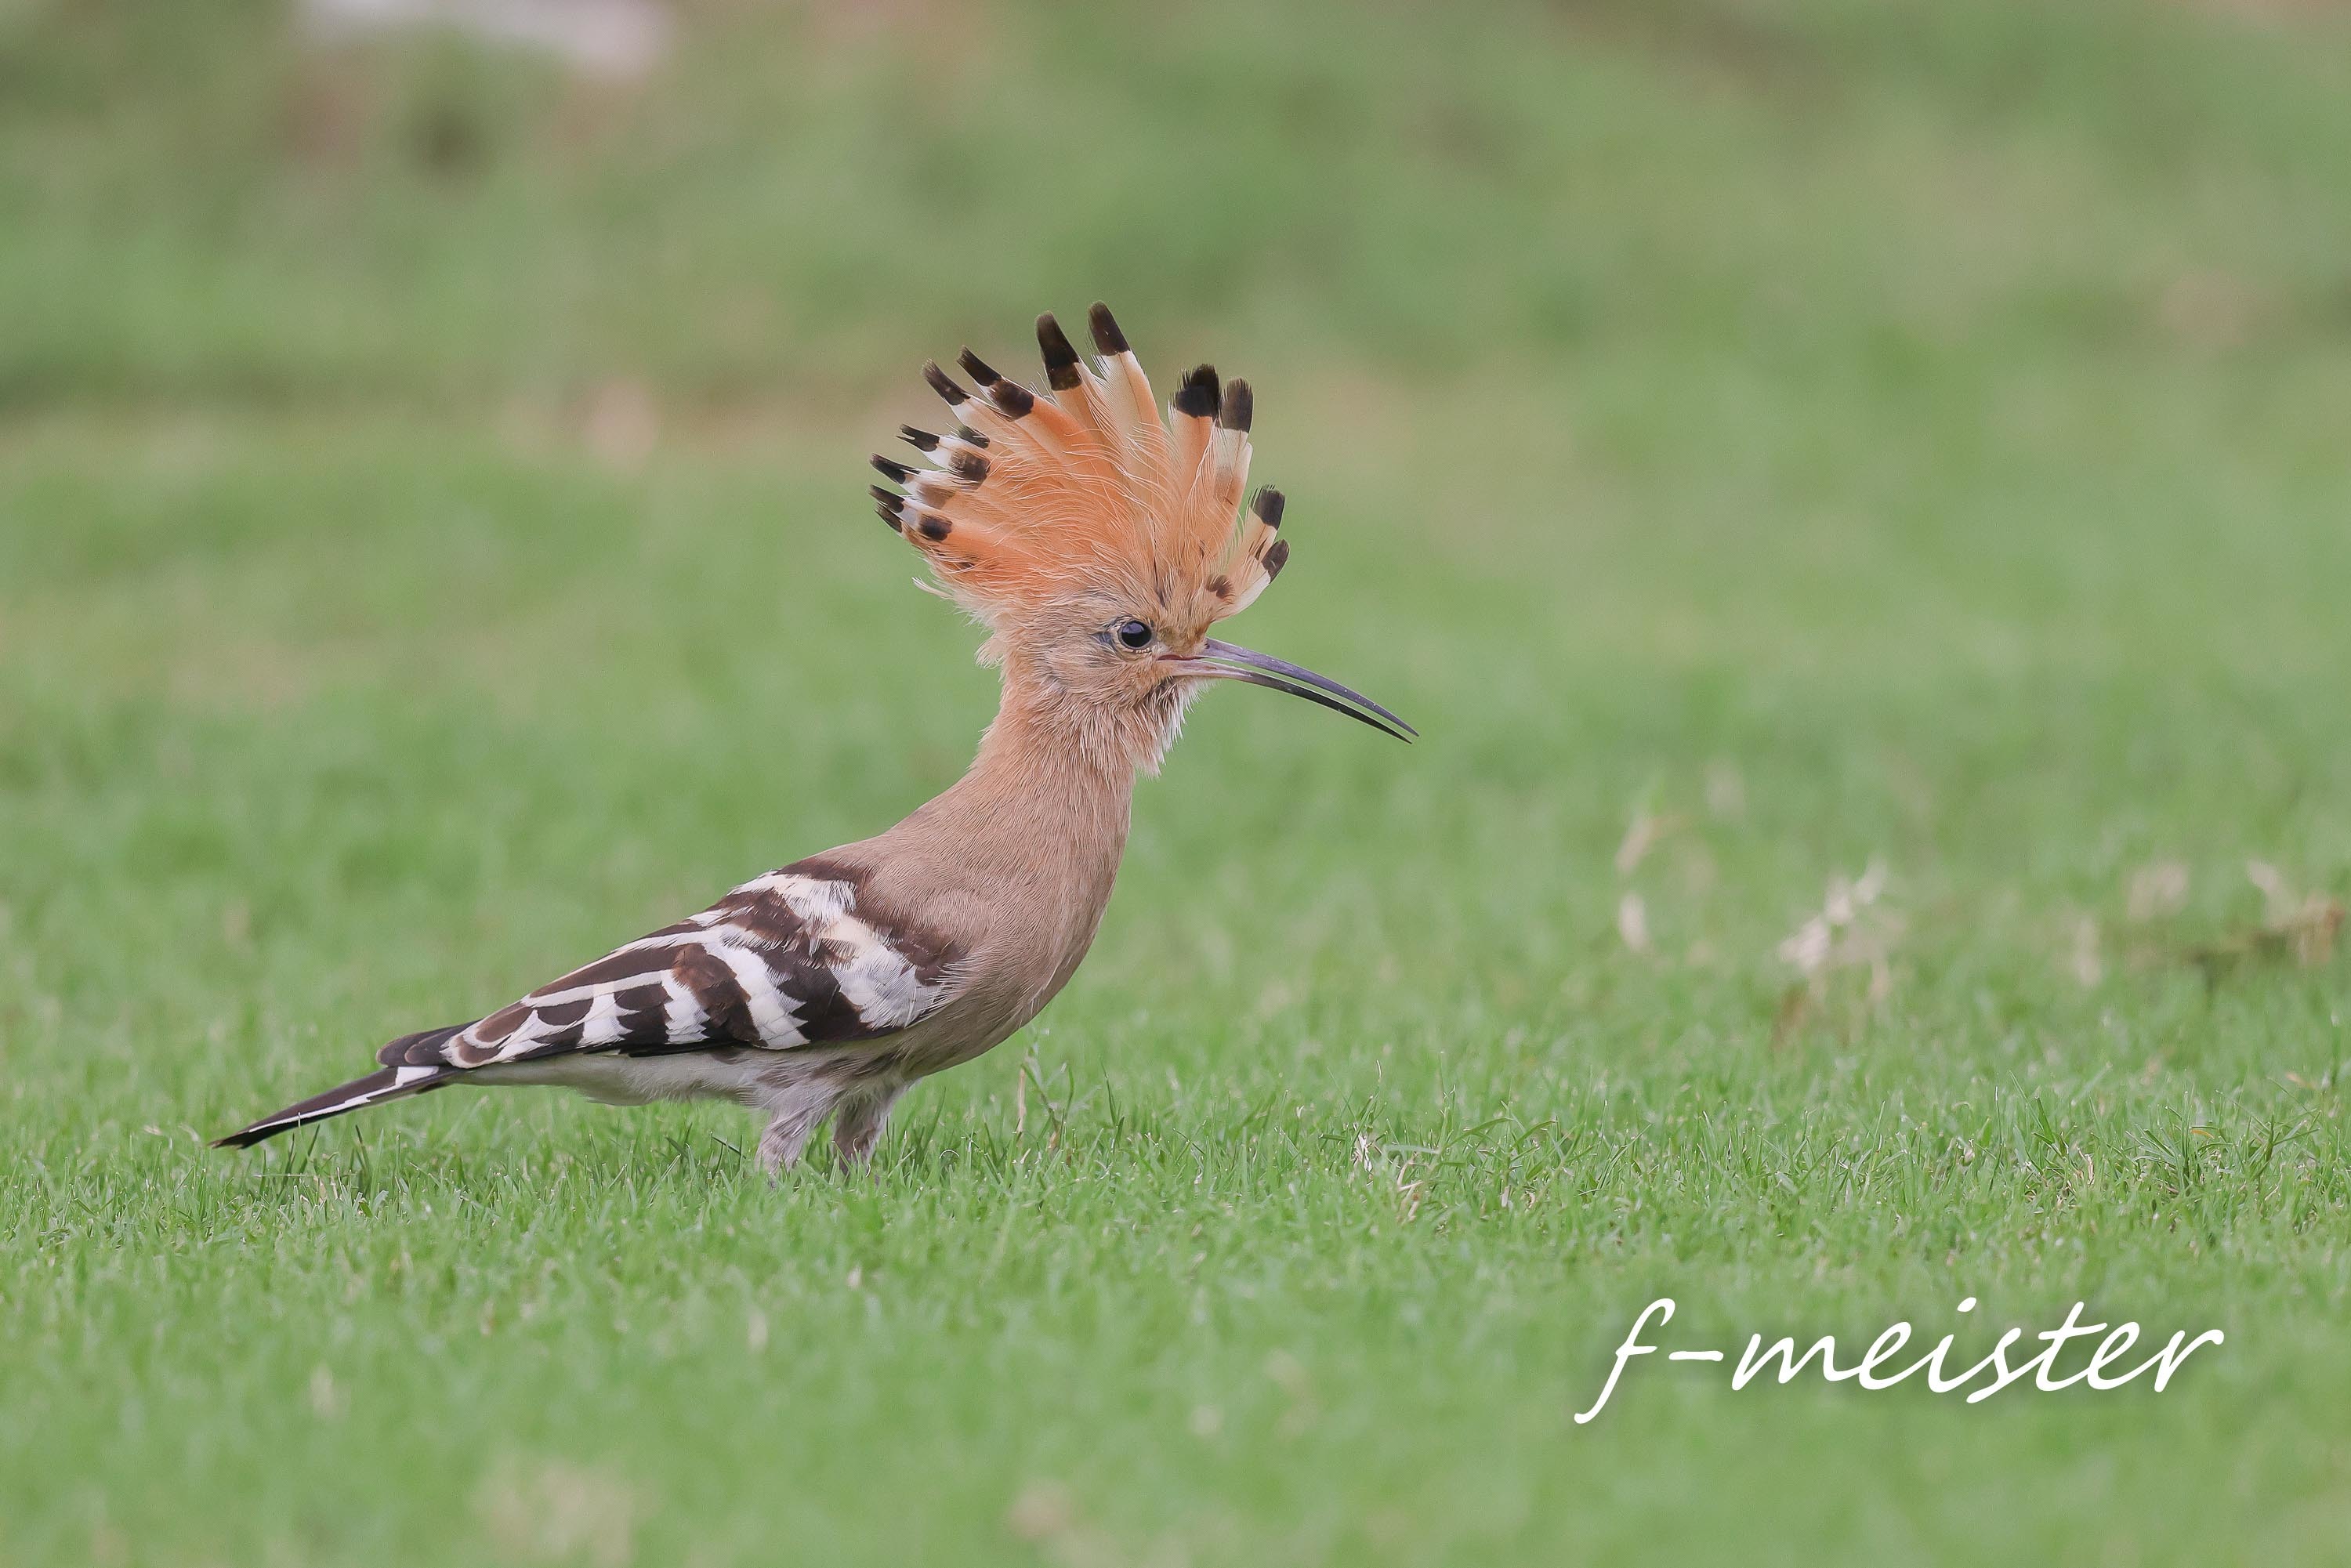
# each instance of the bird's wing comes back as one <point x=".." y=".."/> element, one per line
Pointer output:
<point x="786" y="959"/>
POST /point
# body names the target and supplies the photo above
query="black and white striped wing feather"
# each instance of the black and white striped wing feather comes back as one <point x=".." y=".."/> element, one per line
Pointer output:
<point x="787" y="959"/>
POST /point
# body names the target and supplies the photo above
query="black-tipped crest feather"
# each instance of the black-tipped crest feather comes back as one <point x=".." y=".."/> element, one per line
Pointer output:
<point x="1061" y="356"/>
<point x="943" y="383"/>
<point x="1198" y="395"/>
<point x="1107" y="339"/>
<point x="1239" y="405"/>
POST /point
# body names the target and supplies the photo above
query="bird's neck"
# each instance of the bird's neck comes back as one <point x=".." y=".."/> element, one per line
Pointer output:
<point x="1049" y="788"/>
<point x="1015" y="862"/>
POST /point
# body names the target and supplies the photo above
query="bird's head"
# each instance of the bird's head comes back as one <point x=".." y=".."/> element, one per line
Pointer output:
<point x="1098" y="545"/>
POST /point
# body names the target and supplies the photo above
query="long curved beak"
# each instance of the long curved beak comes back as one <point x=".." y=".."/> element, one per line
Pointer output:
<point x="1223" y="661"/>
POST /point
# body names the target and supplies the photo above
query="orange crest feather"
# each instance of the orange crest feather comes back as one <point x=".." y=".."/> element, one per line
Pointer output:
<point x="1035" y="497"/>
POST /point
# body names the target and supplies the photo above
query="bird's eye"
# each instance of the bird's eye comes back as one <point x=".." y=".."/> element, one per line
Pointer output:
<point x="1134" y="634"/>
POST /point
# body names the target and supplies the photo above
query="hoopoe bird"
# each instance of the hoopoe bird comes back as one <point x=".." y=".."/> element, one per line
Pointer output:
<point x="1096" y="546"/>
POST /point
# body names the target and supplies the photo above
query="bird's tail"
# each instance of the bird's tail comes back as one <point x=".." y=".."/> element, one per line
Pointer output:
<point x="377" y="1087"/>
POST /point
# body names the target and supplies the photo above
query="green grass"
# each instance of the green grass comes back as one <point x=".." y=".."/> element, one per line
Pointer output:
<point x="1843" y="433"/>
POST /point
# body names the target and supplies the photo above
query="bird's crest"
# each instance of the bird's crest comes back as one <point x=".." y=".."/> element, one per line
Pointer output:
<point x="1033" y="498"/>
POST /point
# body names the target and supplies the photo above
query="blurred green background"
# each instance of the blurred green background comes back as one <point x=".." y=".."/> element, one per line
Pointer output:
<point x="1759" y="441"/>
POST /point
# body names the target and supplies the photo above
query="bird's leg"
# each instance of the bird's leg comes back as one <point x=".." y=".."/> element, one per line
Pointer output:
<point x="793" y="1117"/>
<point x="859" y="1121"/>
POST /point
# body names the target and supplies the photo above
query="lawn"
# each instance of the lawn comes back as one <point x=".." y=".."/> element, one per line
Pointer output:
<point x="1767" y="448"/>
